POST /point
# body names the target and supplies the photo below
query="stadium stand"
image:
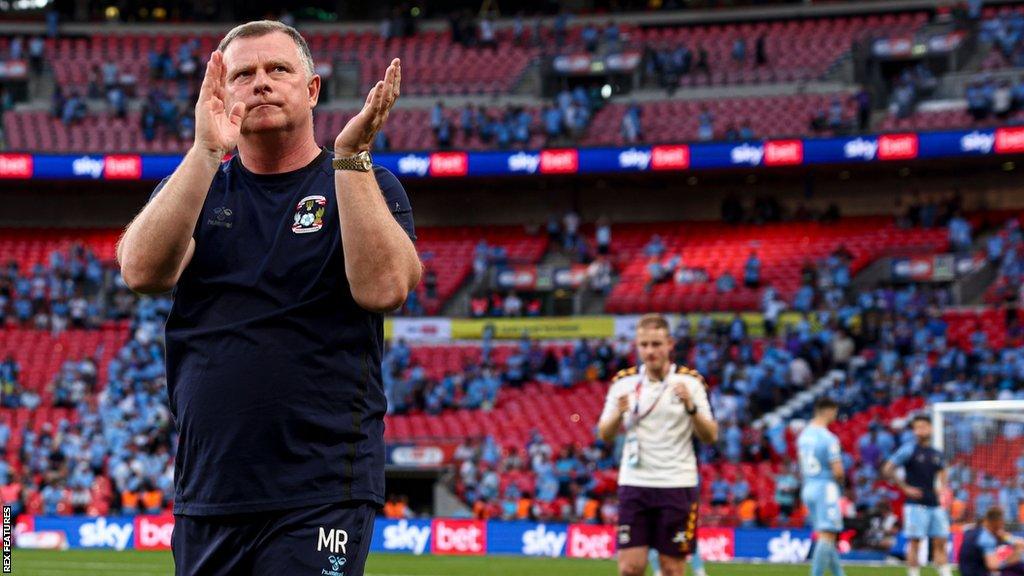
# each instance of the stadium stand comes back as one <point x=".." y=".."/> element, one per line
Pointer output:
<point x="84" y="423"/>
<point x="676" y="120"/>
<point x="163" y="70"/>
<point x="1000" y="30"/>
<point x="410" y="129"/>
<point x="719" y="249"/>
<point x="795" y="50"/>
<point x="449" y="253"/>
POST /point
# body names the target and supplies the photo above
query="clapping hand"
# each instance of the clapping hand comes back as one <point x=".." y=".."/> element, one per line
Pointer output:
<point x="217" y="128"/>
<point x="358" y="134"/>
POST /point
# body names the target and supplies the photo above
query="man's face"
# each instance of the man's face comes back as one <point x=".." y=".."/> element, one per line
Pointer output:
<point x="922" y="430"/>
<point x="830" y="415"/>
<point x="266" y="73"/>
<point x="653" y="345"/>
<point x="997" y="526"/>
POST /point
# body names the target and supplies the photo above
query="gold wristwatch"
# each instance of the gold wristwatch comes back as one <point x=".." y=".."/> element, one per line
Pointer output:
<point x="360" y="162"/>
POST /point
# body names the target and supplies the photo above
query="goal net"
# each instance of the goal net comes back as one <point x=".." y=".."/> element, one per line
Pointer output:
<point x="984" y="446"/>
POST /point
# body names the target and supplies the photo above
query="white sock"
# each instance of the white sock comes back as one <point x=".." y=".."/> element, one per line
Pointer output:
<point x="913" y="572"/>
<point x="945" y="570"/>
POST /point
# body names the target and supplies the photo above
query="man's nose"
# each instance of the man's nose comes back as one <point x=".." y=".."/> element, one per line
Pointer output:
<point x="261" y="82"/>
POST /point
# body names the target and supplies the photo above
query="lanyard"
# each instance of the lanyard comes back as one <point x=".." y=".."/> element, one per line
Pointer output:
<point x="637" y="417"/>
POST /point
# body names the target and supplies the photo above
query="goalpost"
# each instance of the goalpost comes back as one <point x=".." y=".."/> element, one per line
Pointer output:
<point x="983" y="442"/>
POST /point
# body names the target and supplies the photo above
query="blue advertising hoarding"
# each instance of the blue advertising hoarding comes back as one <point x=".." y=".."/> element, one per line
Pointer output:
<point x="84" y="532"/>
<point x="860" y="149"/>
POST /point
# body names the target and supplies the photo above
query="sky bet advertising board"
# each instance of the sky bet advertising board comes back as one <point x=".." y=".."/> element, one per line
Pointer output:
<point x="868" y="148"/>
<point x="447" y="536"/>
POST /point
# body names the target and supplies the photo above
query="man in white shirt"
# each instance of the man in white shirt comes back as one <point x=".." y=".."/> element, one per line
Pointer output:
<point x="661" y="408"/>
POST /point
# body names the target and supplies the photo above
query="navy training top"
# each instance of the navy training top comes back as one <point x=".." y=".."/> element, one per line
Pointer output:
<point x="921" y="464"/>
<point x="273" y="370"/>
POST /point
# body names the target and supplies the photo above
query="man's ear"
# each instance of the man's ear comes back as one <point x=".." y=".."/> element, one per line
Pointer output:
<point x="314" y="90"/>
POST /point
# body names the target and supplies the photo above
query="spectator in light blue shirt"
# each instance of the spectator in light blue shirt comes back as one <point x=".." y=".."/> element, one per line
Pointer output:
<point x="740" y="490"/>
<point x="553" y="119"/>
<point x="720" y="492"/>
<point x="733" y="442"/>
<point x="466" y="120"/>
<point x="983" y="500"/>
<point x="752" y="271"/>
<point x="436" y="116"/>
<point x="994" y="248"/>
<point x="959" y="233"/>
<point x="739" y="50"/>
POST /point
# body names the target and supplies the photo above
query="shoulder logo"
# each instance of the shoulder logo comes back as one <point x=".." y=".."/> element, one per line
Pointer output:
<point x="691" y="372"/>
<point x="625" y="372"/>
<point x="309" y="214"/>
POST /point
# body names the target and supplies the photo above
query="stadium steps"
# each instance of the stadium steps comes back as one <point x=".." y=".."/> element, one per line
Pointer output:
<point x="800" y="401"/>
<point x="529" y="81"/>
<point x="972" y="290"/>
<point x="458" y="305"/>
<point x="447" y="504"/>
<point x="877" y="272"/>
<point x="840" y="71"/>
<point x="347" y="83"/>
<point x="591" y="303"/>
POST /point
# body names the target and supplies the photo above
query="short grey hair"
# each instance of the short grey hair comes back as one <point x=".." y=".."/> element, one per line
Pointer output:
<point x="259" y="28"/>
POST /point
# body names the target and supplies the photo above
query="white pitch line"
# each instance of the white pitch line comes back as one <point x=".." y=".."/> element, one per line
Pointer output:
<point x="106" y="566"/>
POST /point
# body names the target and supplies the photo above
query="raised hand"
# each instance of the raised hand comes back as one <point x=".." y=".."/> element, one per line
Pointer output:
<point x="623" y="404"/>
<point x="358" y="134"/>
<point x="217" y="129"/>
<point x="683" y="394"/>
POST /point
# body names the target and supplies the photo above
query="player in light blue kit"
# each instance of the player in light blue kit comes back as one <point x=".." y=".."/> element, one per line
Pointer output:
<point x="925" y="477"/>
<point x="821" y="470"/>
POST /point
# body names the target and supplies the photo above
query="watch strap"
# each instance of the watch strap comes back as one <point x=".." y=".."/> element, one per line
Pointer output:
<point x="361" y="162"/>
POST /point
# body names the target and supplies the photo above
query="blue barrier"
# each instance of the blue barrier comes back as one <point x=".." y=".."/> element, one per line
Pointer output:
<point x="85" y="532"/>
<point x="645" y="158"/>
<point x="468" y="537"/>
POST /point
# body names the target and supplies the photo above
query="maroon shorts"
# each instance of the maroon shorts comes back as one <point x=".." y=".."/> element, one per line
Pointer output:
<point x="661" y="518"/>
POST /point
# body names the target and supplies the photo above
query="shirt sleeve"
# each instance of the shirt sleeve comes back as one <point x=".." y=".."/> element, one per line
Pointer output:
<point x="611" y="403"/>
<point x="902" y="455"/>
<point x="158" y="188"/>
<point x="835" y="450"/>
<point x="700" y="398"/>
<point x="987" y="543"/>
<point x="396" y="198"/>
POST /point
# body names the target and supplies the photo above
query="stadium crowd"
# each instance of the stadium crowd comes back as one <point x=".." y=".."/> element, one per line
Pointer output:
<point x="888" y="343"/>
<point x="116" y="455"/>
<point x="63" y="293"/>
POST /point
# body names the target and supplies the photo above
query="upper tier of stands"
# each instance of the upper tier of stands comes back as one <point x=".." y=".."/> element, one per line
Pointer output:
<point x="796" y="50"/>
<point x="409" y="128"/>
<point x="945" y="120"/>
<point x="428" y="57"/>
<point x="718" y="248"/>
<point x="677" y="120"/>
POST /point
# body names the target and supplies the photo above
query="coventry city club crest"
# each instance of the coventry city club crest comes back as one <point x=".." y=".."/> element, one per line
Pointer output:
<point x="309" y="214"/>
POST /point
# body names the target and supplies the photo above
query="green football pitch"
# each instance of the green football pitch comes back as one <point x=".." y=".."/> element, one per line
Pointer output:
<point x="108" y="563"/>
